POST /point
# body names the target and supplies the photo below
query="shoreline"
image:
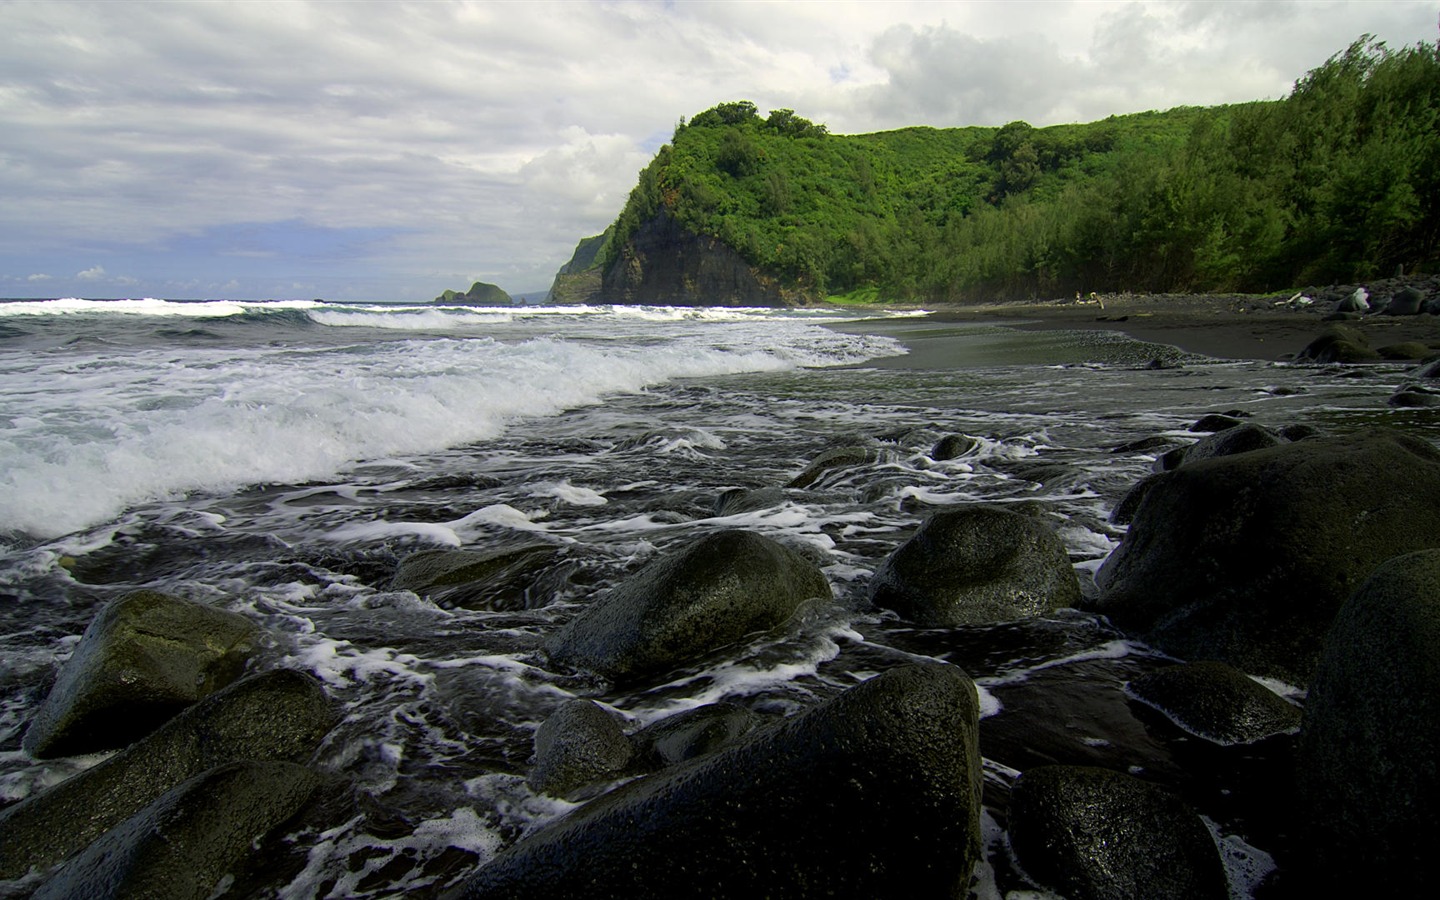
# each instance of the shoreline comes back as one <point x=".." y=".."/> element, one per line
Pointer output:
<point x="1217" y="326"/>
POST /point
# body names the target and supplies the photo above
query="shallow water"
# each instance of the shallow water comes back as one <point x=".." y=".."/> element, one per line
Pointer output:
<point x="281" y="461"/>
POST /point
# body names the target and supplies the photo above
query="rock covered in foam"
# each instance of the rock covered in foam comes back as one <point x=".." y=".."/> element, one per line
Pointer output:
<point x="142" y="659"/>
<point x="1094" y="834"/>
<point x="878" y="788"/>
<point x="1369" y="759"/>
<point x="687" y="605"/>
<point x="976" y="565"/>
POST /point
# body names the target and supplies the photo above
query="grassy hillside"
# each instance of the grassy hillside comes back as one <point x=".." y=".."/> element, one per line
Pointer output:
<point x="1339" y="181"/>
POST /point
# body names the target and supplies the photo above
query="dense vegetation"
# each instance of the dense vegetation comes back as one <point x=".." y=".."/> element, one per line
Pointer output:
<point x="1340" y="181"/>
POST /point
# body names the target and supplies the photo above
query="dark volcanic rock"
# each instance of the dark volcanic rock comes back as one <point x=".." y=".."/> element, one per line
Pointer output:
<point x="277" y="715"/>
<point x="1407" y="301"/>
<point x="687" y="605"/>
<point x="873" y="794"/>
<point x="473" y="579"/>
<point x="579" y="745"/>
<point x="666" y="264"/>
<point x="1369" y="760"/>
<point x="974" y="566"/>
<point x="1338" y="344"/>
<point x="144" y="658"/>
<point x="693" y="733"/>
<point x="1236" y="439"/>
<point x="1217" y="702"/>
<point x="1094" y="834"/>
<point x="737" y="501"/>
<point x="1214" y="422"/>
<point x="838" y="458"/>
<point x="1247" y="558"/>
<point x="184" y="843"/>
<point x="952" y="446"/>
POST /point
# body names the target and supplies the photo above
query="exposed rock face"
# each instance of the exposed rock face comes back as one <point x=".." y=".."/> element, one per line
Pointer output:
<point x="278" y="715"/>
<point x="1369" y="760"/>
<point x="480" y="294"/>
<point x="665" y="264"/>
<point x="1093" y="834"/>
<point x="1217" y="702"/>
<point x="1247" y="558"/>
<point x="143" y="658"/>
<point x="688" y="604"/>
<point x="974" y="566"/>
<point x="873" y="794"/>
<point x="578" y="745"/>
<point x="578" y="281"/>
<point x="182" y="844"/>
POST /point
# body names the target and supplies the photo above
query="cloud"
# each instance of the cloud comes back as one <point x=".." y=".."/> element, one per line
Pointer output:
<point x="386" y="147"/>
<point x="94" y="273"/>
<point x="38" y="276"/>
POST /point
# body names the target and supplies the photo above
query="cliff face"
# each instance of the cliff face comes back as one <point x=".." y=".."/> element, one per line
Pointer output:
<point x="578" y="281"/>
<point x="664" y="264"/>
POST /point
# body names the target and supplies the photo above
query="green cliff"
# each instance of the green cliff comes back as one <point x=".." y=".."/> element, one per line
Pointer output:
<point x="1338" y="181"/>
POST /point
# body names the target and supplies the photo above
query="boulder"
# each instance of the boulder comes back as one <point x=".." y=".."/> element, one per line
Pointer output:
<point x="1369" y="756"/>
<point x="1227" y="442"/>
<point x="687" y="605"/>
<point x="473" y="579"/>
<point x="143" y="658"/>
<point x="579" y="745"/>
<point x="1247" y="558"/>
<point x="1338" y="344"/>
<point x="1217" y="702"/>
<point x="184" y="843"/>
<point x="1213" y="422"/>
<point x="878" y="788"/>
<point x="277" y="715"/>
<point x="1407" y="301"/>
<point x="838" y="458"/>
<point x="973" y="566"/>
<point x="1406" y="351"/>
<point x="739" y="500"/>
<point x="952" y="446"/>
<point x="1094" y="834"/>
<point x="693" y="733"/>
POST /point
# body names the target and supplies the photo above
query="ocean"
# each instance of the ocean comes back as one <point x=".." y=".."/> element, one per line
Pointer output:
<point x="279" y="459"/>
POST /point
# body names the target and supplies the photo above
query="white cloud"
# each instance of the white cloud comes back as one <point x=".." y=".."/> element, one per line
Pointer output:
<point x="94" y="273"/>
<point x="489" y="136"/>
<point x="39" y="276"/>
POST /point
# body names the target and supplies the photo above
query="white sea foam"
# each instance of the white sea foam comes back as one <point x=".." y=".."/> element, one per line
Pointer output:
<point x="90" y="433"/>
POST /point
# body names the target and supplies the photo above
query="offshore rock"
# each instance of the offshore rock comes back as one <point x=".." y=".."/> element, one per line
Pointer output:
<point x="666" y="264"/>
<point x="1217" y="702"/>
<point x="874" y="794"/>
<point x="277" y="715"/>
<point x="974" y="566"/>
<point x="688" y="604"/>
<point x="579" y="745"/>
<point x="184" y="843"/>
<point x="1369" y="759"/>
<point x="1247" y="558"/>
<point x="1094" y="834"/>
<point x="143" y="658"/>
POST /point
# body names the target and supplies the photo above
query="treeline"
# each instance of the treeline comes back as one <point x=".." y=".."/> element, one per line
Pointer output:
<point x="1340" y="181"/>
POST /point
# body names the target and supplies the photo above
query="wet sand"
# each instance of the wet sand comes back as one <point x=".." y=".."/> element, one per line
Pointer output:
<point x="1223" y="327"/>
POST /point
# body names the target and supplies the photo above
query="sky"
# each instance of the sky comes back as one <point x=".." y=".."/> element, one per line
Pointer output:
<point x="387" y="151"/>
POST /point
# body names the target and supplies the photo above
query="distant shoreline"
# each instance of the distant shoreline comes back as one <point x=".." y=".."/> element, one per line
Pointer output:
<point x="1222" y="326"/>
